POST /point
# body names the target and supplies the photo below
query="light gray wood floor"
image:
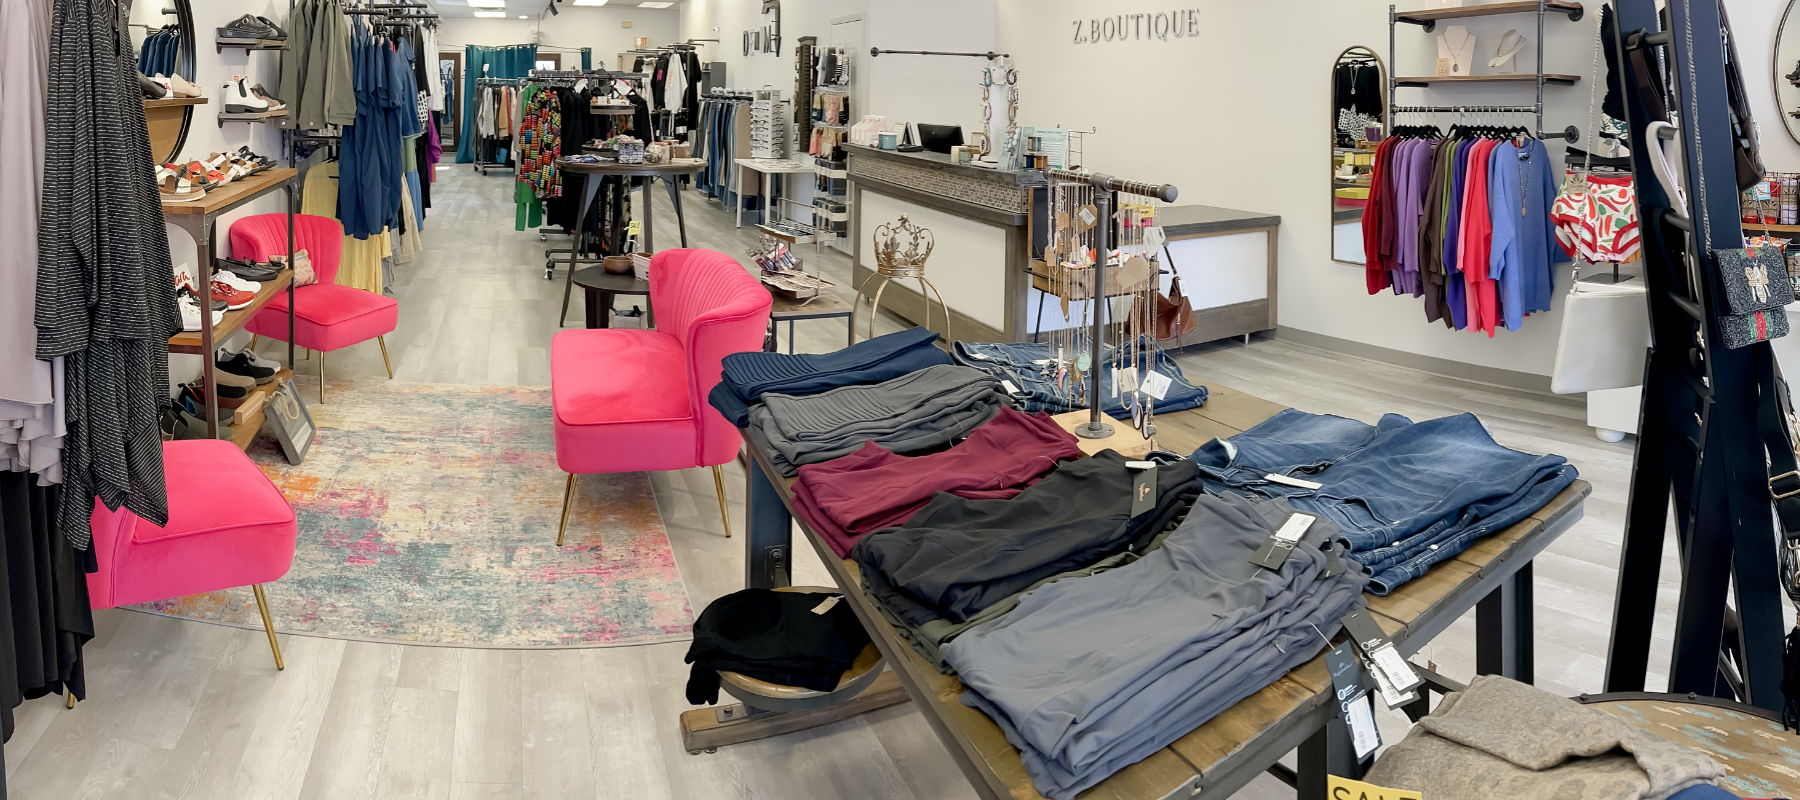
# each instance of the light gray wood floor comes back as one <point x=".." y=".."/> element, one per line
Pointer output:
<point x="181" y="709"/>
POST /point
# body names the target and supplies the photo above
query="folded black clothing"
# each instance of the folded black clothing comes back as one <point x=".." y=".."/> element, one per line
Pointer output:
<point x="747" y="376"/>
<point x="956" y="556"/>
<point x="791" y="638"/>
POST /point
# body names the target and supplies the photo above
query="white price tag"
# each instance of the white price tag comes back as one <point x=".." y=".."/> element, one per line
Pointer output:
<point x="978" y="355"/>
<point x="1295" y="527"/>
<point x="1010" y="388"/>
<point x="1154" y="237"/>
<point x="1125" y="380"/>
<point x="1388" y="661"/>
<point x="1295" y="482"/>
<point x="827" y="605"/>
<point x="1362" y="726"/>
<point x="1156" y="384"/>
<point x="1394" y="698"/>
<point x="1140" y="465"/>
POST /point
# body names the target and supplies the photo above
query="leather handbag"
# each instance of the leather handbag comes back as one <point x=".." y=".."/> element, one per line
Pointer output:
<point x="1174" y="314"/>
<point x="1605" y="335"/>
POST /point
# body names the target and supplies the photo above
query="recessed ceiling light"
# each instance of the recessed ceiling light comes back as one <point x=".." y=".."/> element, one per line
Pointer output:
<point x="487" y="3"/>
<point x="654" y="5"/>
<point x="522" y="16"/>
<point x="490" y="14"/>
<point x="590" y="2"/>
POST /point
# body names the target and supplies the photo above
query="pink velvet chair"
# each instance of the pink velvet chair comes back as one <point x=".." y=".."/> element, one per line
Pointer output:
<point x="635" y="400"/>
<point x="228" y="527"/>
<point x="326" y="316"/>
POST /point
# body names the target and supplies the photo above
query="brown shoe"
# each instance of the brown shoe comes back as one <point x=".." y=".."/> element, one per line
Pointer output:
<point x="274" y="105"/>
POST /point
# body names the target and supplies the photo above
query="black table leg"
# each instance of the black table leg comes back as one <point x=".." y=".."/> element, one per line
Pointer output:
<point x="598" y="306"/>
<point x="768" y="547"/>
<point x="675" y="199"/>
<point x="649" y="224"/>
<point x="1503" y="630"/>
<point x="1327" y="752"/>
<point x="590" y="186"/>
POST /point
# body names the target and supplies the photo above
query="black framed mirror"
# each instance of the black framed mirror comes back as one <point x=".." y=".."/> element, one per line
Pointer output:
<point x="162" y="34"/>
<point x="1785" y="69"/>
<point x="1359" y="120"/>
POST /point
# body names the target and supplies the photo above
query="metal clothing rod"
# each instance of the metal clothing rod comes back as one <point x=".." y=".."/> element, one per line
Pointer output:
<point x="876" y="51"/>
<point x="1163" y="192"/>
<point x="1465" y="109"/>
<point x="1095" y="428"/>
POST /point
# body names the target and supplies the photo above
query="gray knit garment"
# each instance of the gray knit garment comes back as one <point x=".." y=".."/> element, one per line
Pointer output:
<point x="919" y="410"/>
<point x="1504" y="740"/>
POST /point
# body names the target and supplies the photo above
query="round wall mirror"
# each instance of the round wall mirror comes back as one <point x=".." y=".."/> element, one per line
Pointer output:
<point x="162" y="33"/>
<point x="1358" y="123"/>
<point x="1786" y="69"/>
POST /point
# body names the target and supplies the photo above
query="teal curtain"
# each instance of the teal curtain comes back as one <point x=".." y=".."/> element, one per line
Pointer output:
<point x="587" y="58"/>
<point x="479" y="61"/>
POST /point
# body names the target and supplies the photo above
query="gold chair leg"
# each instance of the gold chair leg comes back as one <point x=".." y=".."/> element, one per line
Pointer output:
<point x="568" y="503"/>
<point x="262" y="604"/>
<point x="719" y="484"/>
<point x="321" y="377"/>
<point x="307" y="351"/>
<point x="384" y="359"/>
<point x="68" y="697"/>
<point x="254" y="339"/>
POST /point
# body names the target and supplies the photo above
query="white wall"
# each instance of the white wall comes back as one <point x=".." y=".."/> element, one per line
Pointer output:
<point x="726" y="20"/>
<point x="574" y="28"/>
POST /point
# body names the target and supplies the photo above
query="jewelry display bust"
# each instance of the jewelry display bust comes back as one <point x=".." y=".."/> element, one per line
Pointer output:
<point x="1456" y="52"/>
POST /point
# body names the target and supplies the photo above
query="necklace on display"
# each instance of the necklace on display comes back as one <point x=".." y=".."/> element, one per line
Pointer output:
<point x="1459" y="45"/>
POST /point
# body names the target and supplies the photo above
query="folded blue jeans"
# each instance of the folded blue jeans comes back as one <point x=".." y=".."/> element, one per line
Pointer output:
<point x="747" y="376"/>
<point x="1409" y="497"/>
<point x="1031" y="368"/>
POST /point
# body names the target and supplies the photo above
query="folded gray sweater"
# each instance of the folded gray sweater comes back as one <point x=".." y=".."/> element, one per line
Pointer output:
<point x="1503" y="740"/>
<point x="919" y="410"/>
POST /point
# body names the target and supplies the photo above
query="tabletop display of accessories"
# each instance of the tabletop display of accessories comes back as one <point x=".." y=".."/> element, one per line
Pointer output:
<point x="252" y="29"/>
<point x="244" y="99"/>
<point x="785" y="273"/>
<point x="183" y="184"/>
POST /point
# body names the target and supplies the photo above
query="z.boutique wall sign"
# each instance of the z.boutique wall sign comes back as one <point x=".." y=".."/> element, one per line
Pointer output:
<point x="1182" y="23"/>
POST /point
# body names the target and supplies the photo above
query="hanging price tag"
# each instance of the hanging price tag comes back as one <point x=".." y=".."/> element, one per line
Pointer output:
<point x="1156" y="384"/>
<point x="1347" y="679"/>
<point x="1143" y="487"/>
<point x="1294" y="482"/>
<point x="1085" y="218"/>
<point x="1154" y="237"/>
<point x="634" y="228"/>
<point x="1274" y="551"/>
<point x="1125" y="381"/>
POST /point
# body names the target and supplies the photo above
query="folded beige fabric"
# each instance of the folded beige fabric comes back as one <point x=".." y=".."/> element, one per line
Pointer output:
<point x="1502" y="739"/>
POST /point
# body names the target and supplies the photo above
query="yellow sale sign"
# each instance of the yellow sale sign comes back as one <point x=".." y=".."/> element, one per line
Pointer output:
<point x="1345" y="789"/>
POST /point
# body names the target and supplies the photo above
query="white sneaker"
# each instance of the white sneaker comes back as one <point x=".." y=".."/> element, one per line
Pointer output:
<point x="239" y="100"/>
<point x="231" y="279"/>
<point x="190" y="313"/>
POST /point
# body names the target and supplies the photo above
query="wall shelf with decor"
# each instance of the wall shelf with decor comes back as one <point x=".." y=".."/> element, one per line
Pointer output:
<point x="1427" y="19"/>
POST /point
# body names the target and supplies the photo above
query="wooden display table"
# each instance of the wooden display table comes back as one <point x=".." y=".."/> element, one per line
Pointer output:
<point x="1222" y="755"/>
<point x="197" y="219"/>
<point x="825" y="305"/>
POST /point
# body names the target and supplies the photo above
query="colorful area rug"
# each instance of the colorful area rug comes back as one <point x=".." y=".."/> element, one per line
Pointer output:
<point x="428" y="515"/>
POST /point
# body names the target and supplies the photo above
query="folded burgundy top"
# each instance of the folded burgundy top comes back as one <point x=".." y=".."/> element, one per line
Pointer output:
<point x="874" y="488"/>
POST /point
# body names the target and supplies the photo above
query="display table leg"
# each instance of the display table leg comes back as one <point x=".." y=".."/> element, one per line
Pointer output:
<point x="1503" y="630"/>
<point x="674" y="187"/>
<point x="1327" y="752"/>
<point x="590" y="186"/>
<point x="768" y="547"/>
<point x="649" y="221"/>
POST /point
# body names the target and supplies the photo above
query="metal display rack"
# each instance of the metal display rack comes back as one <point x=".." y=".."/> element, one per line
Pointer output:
<point x="485" y="148"/>
<point x="1701" y="447"/>
<point x="1428" y="21"/>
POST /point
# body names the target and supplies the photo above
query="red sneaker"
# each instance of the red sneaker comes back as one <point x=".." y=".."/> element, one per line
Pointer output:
<point x="234" y="298"/>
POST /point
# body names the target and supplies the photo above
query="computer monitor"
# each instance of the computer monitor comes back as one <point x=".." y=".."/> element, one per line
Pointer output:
<point x="939" y="138"/>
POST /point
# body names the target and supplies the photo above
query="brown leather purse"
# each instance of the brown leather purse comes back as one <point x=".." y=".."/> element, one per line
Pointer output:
<point x="1174" y="314"/>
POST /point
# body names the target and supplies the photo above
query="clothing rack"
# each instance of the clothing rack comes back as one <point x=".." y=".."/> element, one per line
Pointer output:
<point x="1570" y="134"/>
<point x="485" y="146"/>
<point x="1706" y="441"/>
<point x="990" y="55"/>
<point x="1095" y="428"/>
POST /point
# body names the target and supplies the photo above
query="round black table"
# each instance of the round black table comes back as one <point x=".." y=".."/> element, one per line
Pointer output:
<point x="601" y="286"/>
<point x="591" y="175"/>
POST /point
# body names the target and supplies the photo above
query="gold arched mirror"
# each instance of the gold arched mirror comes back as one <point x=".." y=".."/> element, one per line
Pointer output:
<point x="1358" y="122"/>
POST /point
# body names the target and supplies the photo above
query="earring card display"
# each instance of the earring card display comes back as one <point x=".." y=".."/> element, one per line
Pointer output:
<point x="293" y="424"/>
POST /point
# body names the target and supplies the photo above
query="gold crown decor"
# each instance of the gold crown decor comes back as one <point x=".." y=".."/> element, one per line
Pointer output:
<point x="894" y="262"/>
<point x="900" y="252"/>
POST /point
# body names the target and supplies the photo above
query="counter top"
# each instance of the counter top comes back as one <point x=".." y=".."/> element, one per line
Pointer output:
<point x="941" y="162"/>
<point x="1187" y="221"/>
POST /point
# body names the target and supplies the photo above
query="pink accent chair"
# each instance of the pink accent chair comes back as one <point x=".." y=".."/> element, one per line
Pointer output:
<point x="635" y="400"/>
<point x="228" y="526"/>
<point x="326" y="316"/>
